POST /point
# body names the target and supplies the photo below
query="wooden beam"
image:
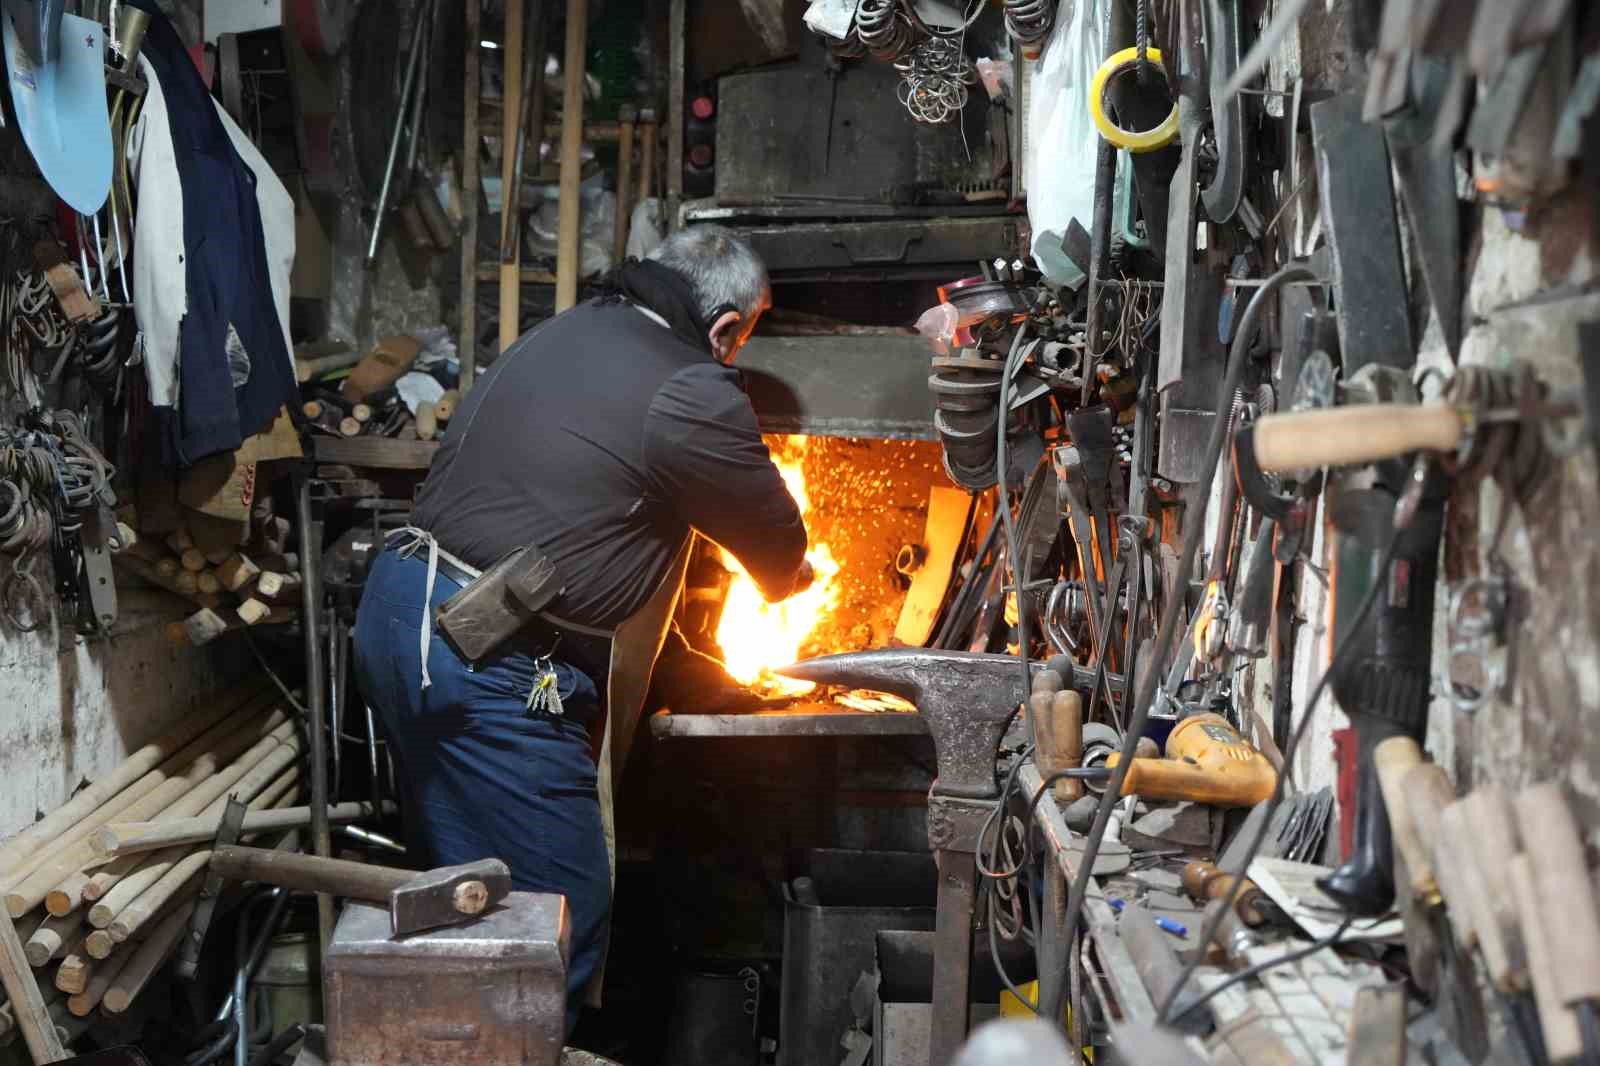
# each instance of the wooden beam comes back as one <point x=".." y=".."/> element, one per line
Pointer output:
<point x="381" y="453"/>
<point x="471" y="190"/>
<point x="573" y="69"/>
<point x="677" y="45"/>
<point x="619" y="241"/>
<point x="510" y="178"/>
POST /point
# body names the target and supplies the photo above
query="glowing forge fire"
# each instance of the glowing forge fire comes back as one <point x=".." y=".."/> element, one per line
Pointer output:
<point x="755" y="635"/>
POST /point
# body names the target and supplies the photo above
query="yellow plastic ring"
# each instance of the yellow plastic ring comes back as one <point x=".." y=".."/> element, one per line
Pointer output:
<point x="1143" y="140"/>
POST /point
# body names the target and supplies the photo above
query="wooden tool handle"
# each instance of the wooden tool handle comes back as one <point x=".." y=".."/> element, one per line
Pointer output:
<point x="309" y="873"/>
<point x="1235" y="784"/>
<point x="1359" y="434"/>
<point x="1493" y="841"/>
<point x="1425" y="792"/>
<point x="1566" y="896"/>
<point x="1393" y="759"/>
<point x="1562" y="1038"/>
<point x="1455" y="836"/>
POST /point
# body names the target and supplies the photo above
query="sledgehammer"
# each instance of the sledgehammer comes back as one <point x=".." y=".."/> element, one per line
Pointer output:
<point x="416" y="901"/>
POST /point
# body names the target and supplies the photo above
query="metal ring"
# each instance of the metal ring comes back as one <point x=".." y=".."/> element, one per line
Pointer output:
<point x="1132" y="140"/>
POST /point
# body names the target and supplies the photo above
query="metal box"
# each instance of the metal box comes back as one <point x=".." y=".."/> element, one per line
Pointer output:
<point x="828" y="945"/>
<point x="492" y="992"/>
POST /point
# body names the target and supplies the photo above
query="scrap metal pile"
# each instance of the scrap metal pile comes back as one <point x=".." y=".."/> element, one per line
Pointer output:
<point x="1177" y="439"/>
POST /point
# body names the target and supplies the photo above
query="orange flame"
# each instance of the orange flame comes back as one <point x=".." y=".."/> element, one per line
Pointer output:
<point x="755" y="635"/>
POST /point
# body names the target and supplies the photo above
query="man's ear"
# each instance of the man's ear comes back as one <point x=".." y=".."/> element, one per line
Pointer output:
<point x="724" y="330"/>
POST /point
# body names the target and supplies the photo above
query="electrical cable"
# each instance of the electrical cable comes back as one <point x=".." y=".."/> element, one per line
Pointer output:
<point x="1208" y="933"/>
<point x="1260" y="968"/>
<point x="1168" y="630"/>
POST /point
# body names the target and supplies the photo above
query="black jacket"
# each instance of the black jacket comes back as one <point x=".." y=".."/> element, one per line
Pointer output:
<point x="604" y="438"/>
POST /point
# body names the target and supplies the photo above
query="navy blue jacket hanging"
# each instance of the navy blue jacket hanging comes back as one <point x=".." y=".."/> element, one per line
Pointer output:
<point x="213" y="305"/>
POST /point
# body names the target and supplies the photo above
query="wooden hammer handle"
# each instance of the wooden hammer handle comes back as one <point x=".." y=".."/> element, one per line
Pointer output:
<point x="309" y="873"/>
<point x="1362" y="433"/>
<point x="1394" y="758"/>
<point x="1555" y="846"/>
<point x="1425" y="792"/>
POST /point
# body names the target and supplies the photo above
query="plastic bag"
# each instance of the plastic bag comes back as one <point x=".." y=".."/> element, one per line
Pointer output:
<point x="1062" y="142"/>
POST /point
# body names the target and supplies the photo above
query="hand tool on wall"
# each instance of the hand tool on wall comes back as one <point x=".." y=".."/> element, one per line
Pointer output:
<point x="416" y="901"/>
<point x="968" y="700"/>
<point x="1384" y="683"/>
<point x="1554" y="846"/>
<point x="406" y="108"/>
<point x="1415" y="794"/>
<point x="1427" y="174"/>
<point x="1353" y="177"/>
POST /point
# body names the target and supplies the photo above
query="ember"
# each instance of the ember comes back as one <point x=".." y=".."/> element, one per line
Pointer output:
<point x="755" y="635"/>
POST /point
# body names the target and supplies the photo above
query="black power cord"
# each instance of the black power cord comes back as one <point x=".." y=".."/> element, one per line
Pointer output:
<point x="1258" y="969"/>
<point x="1167" y="634"/>
<point x="1208" y="934"/>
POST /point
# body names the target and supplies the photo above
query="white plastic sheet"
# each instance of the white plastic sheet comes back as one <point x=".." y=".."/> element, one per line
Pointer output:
<point x="1062" y="140"/>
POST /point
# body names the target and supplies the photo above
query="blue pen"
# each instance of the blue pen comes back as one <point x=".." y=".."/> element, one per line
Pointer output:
<point x="1164" y="924"/>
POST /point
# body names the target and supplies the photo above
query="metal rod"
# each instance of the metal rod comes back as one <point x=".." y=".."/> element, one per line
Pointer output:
<point x="316" y="694"/>
<point x="1105" y="170"/>
<point x="677" y="46"/>
<point x="335" y="697"/>
<point x="471" y="191"/>
<point x="413" y="61"/>
<point x="374" y="782"/>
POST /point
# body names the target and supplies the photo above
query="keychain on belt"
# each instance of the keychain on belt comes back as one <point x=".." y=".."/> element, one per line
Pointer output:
<point x="546" y="693"/>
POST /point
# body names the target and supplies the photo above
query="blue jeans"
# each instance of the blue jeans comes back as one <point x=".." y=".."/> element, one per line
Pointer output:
<point x="486" y="777"/>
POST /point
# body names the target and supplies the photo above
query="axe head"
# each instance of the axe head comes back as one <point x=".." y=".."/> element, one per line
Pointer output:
<point x="447" y="896"/>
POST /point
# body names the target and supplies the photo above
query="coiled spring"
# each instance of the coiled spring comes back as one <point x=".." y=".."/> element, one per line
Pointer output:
<point x="1029" y="21"/>
<point x="934" y="80"/>
<point x="884" y="29"/>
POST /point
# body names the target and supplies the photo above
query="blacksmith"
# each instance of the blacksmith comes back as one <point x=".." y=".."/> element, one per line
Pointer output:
<point x="604" y="438"/>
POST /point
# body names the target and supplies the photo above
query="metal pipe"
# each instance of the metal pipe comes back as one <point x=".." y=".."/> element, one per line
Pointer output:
<point x="241" y="981"/>
<point x="336" y="697"/>
<point x="412" y="63"/>
<point x="1105" y="171"/>
<point x="316" y="694"/>
<point x="373" y="781"/>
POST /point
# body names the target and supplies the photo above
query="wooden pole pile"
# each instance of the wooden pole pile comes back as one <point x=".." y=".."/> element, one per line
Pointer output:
<point x="97" y="923"/>
<point x="235" y="574"/>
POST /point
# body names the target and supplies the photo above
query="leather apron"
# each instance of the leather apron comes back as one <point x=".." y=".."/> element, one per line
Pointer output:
<point x="634" y="647"/>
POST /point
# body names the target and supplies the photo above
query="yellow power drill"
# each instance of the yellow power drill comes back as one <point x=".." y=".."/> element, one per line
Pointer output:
<point x="1207" y="762"/>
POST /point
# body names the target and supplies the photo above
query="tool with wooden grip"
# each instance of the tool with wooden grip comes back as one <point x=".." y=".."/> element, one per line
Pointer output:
<point x="1058" y="733"/>
<point x="1436" y="885"/>
<point x="416" y="901"/>
<point x="1479" y="837"/>
<point x="1362" y="433"/>
<point x="1205" y="882"/>
<point x="1565" y="904"/>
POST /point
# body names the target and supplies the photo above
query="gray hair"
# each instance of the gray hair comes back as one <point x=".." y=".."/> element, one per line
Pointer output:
<point x="721" y="267"/>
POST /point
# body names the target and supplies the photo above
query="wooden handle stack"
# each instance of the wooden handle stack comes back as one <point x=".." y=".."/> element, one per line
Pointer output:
<point x="236" y="579"/>
<point x="95" y="924"/>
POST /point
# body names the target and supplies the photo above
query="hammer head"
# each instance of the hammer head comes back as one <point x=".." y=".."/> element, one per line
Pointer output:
<point x="448" y="895"/>
<point x="966" y="697"/>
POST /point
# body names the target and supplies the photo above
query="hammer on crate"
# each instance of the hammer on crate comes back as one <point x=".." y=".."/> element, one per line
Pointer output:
<point x="416" y="901"/>
<point x="967" y="699"/>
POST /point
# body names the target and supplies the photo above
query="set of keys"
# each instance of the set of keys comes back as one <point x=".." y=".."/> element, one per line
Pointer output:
<point x="545" y="695"/>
